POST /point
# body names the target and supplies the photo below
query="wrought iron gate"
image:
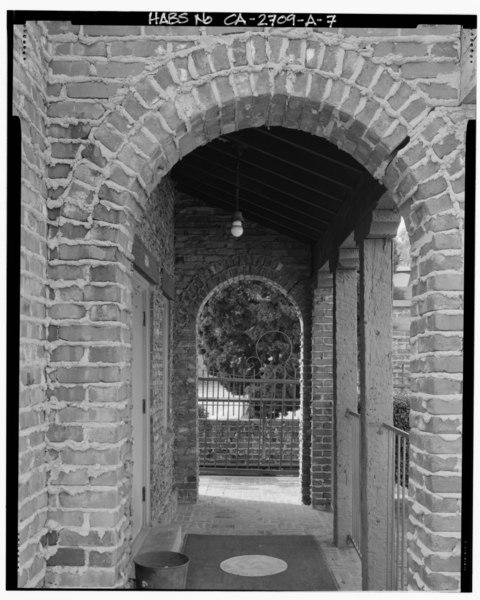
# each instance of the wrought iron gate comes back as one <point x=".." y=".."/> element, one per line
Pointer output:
<point x="249" y="420"/>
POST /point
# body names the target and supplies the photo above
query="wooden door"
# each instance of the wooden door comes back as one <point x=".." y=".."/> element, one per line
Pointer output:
<point x="140" y="434"/>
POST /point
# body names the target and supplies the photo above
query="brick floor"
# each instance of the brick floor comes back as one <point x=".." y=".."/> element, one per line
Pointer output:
<point x="267" y="505"/>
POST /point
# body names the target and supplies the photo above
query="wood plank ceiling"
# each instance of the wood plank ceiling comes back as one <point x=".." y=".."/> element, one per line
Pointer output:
<point x="291" y="181"/>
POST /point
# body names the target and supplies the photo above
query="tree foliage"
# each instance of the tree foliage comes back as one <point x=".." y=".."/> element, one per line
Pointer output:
<point x="233" y="337"/>
<point x="236" y="317"/>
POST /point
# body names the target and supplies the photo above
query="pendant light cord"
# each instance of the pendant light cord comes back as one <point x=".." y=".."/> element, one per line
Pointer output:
<point x="237" y="195"/>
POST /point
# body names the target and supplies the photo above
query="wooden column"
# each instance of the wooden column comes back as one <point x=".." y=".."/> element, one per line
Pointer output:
<point x="375" y="329"/>
<point x="345" y="393"/>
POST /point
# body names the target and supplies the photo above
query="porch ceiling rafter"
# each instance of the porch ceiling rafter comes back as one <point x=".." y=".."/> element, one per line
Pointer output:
<point x="354" y="210"/>
<point x="295" y="183"/>
<point x="296" y="227"/>
<point x="270" y="180"/>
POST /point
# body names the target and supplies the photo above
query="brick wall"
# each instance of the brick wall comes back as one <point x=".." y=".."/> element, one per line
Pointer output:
<point x="252" y="443"/>
<point x="207" y="256"/>
<point x="407" y="71"/>
<point x="322" y="391"/>
<point x="434" y="211"/>
<point x="29" y="97"/>
<point x="426" y="57"/>
<point x="123" y="104"/>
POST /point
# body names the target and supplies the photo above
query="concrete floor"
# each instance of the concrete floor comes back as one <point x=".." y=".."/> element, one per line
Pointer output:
<point x="267" y="505"/>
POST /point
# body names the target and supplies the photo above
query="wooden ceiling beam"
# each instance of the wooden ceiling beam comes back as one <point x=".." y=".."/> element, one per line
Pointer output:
<point x="289" y="230"/>
<point x="251" y="202"/>
<point x="272" y="152"/>
<point x="278" y="175"/>
<point x="197" y="174"/>
<point x="231" y="175"/>
<point x="268" y="133"/>
<point x="248" y="206"/>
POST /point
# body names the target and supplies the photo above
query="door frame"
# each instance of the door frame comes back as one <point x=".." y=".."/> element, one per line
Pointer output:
<point x="140" y="282"/>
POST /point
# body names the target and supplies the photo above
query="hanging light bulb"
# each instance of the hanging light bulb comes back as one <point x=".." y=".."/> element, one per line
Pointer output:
<point x="237" y="227"/>
<point x="237" y="224"/>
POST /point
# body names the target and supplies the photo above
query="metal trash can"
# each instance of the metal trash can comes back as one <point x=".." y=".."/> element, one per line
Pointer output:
<point x="161" y="570"/>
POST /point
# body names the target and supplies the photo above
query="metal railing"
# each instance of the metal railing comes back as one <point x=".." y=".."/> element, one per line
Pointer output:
<point x="248" y="422"/>
<point x="397" y="507"/>
<point x="355" y="538"/>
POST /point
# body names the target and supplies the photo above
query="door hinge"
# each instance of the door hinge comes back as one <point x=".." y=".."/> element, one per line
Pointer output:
<point x="144" y="406"/>
<point x="144" y="318"/>
<point x="143" y="494"/>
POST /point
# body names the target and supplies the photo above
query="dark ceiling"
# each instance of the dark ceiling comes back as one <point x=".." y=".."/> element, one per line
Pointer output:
<point x="290" y="181"/>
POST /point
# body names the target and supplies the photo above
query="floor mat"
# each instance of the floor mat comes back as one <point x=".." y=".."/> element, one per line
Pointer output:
<point x="268" y="562"/>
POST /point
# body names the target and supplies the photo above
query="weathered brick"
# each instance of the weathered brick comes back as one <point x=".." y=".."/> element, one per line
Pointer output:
<point x="439" y="91"/>
<point x="93" y="538"/>
<point x="78" y="49"/>
<point x="64" y="149"/>
<point x="102" y="559"/>
<point x="138" y="47"/>
<point x="258" y="50"/>
<point x="276" y="46"/>
<point x="86" y="374"/>
<point x="427" y="70"/>
<point x="72" y="68"/>
<point x="219" y="56"/>
<point x="313" y="54"/>
<point x="105" y="456"/>
<point x="111" y="31"/>
<point x="108" y="435"/>
<point x="102" y="292"/>
<point x="295" y="52"/>
<point x="68" y="557"/>
<point x="200" y="60"/>
<point x="94" y="89"/>
<point x="76" y="477"/>
<point x="119" y="69"/>
<point x="384" y="85"/>
<point x="60" y="433"/>
<point x="67" y="353"/>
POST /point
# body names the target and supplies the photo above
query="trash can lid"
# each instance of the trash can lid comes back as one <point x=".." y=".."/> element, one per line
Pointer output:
<point x="161" y="559"/>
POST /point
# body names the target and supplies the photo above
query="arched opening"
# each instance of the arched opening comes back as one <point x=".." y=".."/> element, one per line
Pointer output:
<point x="250" y="384"/>
<point x="300" y="196"/>
<point x="309" y="83"/>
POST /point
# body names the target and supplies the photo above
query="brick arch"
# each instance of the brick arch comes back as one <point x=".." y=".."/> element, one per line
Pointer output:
<point x="187" y="308"/>
<point x="306" y="82"/>
<point x="361" y="107"/>
<point x="268" y="280"/>
<point x="207" y="281"/>
<point x="431" y="166"/>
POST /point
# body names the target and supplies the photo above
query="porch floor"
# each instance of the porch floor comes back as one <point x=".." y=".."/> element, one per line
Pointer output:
<point x="266" y="505"/>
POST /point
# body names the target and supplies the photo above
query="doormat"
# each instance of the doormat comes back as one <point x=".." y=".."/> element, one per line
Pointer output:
<point x="256" y="562"/>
